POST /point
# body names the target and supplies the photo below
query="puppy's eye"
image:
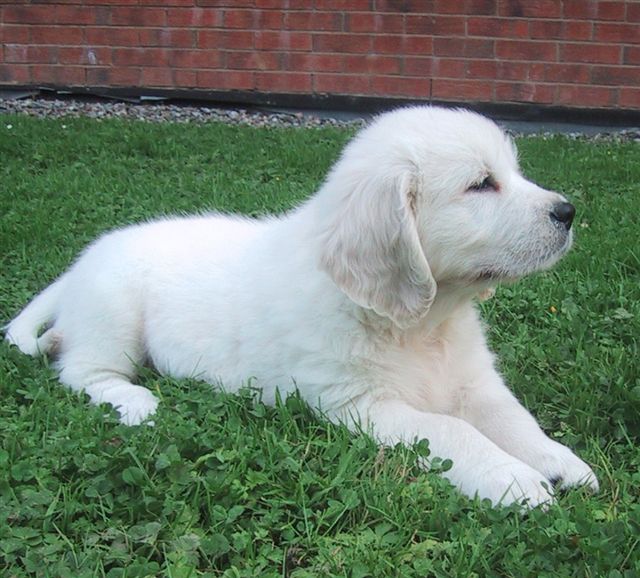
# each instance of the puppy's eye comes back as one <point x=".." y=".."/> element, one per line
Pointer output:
<point x="487" y="184"/>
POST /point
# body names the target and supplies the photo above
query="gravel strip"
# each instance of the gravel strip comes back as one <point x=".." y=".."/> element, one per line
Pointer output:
<point x="160" y="112"/>
<point x="58" y="108"/>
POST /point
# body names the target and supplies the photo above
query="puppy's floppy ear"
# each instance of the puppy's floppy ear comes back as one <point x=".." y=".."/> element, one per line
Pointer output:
<point x="372" y="251"/>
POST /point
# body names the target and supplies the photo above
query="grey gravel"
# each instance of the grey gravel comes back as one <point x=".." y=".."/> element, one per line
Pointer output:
<point x="156" y="112"/>
<point x="162" y="112"/>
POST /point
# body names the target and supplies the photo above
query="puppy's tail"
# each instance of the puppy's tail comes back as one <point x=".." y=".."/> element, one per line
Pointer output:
<point x="24" y="330"/>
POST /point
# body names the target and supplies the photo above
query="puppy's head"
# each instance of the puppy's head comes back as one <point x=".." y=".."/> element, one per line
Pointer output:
<point x="427" y="196"/>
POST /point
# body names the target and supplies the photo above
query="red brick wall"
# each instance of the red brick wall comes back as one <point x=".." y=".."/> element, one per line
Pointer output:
<point x="577" y="53"/>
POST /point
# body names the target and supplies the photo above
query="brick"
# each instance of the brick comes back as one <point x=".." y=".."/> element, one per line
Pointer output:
<point x="474" y="90"/>
<point x="341" y="84"/>
<point x="469" y="7"/>
<point x="137" y="16"/>
<point x="611" y="11"/>
<point x="58" y="75"/>
<point x="615" y="75"/>
<point x="270" y="20"/>
<point x="407" y="45"/>
<point x="497" y="27"/>
<point x="28" y="54"/>
<point x="97" y="3"/>
<point x="347" y="5"/>
<point x="435" y="25"/>
<point x="633" y="13"/>
<point x="125" y="76"/>
<point x="195" y="59"/>
<point x="448" y="68"/>
<point x="238" y="39"/>
<point x="103" y="15"/>
<point x="568" y="73"/>
<point x="580" y="9"/>
<point x="478" y="7"/>
<point x="417" y="66"/>
<point x="168" y="37"/>
<point x="185" y="78"/>
<point x="629" y="97"/>
<point x="625" y="33"/>
<point x="406" y="6"/>
<point x="226" y="3"/>
<point x="116" y="2"/>
<point x="374" y="22"/>
<point x="141" y="56"/>
<point x="585" y="96"/>
<point x="253" y="60"/>
<point x="372" y="64"/>
<point x="98" y="76"/>
<point x="164" y="3"/>
<point x="57" y="35"/>
<point x="84" y="55"/>
<point x="481" y="69"/>
<point x="316" y="21"/>
<point x="28" y="14"/>
<point x="399" y="86"/>
<point x="194" y="18"/>
<point x="157" y="77"/>
<point x="515" y="92"/>
<point x="15" y="34"/>
<point x="596" y="53"/>
<point x="43" y="74"/>
<point x="71" y="75"/>
<point x="15" y="74"/>
<point x="109" y="36"/>
<point x="341" y="43"/>
<point x="577" y="30"/>
<point x="291" y="4"/>
<point x="631" y="55"/>
<point x="513" y="70"/>
<point x="214" y="39"/>
<point x="471" y="48"/>
<point x="313" y="62"/>
<point x="245" y="19"/>
<point x="282" y="40"/>
<point x="524" y="92"/>
<point x="225" y="79"/>
<point x="525" y="50"/>
<point x="75" y="15"/>
<point x="545" y="29"/>
<point x="283" y="82"/>
<point x="538" y="9"/>
<point x="253" y="19"/>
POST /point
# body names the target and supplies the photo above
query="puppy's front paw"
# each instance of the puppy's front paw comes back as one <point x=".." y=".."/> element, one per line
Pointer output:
<point x="563" y="467"/>
<point x="515" y="482"/>
<point x="140" y="404"/>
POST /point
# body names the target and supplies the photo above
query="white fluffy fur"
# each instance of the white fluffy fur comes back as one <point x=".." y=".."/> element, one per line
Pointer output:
<point x="362" y="298"/>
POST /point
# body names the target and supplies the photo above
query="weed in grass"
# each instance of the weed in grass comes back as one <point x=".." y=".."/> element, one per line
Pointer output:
<point x="226" y="486"/>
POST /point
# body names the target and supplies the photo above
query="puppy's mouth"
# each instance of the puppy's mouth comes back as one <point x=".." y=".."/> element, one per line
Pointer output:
<point x="519" y="265"/>
<point x="490" y="275"/>
<point x="496" y="276"/>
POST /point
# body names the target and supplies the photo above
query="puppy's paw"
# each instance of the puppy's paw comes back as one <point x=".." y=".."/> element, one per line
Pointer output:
<point x="563" y="467"/>
<point x="515" y="482"/>
<point x="140" y="404"/>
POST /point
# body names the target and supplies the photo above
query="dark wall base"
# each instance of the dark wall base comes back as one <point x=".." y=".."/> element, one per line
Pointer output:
<point x="345" y="103"/>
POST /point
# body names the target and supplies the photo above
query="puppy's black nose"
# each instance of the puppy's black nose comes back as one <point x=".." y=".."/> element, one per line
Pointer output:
<point x="563" y="213"/>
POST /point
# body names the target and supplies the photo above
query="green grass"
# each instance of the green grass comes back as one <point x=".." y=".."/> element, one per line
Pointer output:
<point x="225" y="486"/>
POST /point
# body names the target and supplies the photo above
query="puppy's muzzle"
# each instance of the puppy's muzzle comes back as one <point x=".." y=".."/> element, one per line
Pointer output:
<point x="563" y="213"/>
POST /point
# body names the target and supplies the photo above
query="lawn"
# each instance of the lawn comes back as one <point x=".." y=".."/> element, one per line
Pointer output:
<point x="225" y="486"/>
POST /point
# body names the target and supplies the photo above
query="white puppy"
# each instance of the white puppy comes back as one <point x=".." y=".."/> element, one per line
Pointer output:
<point x="362" y="299"/>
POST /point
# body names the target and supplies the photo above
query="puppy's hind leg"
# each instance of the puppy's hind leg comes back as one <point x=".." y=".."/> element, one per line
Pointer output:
<point x="101" y="358"/>
<point x="109" y="381"/>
